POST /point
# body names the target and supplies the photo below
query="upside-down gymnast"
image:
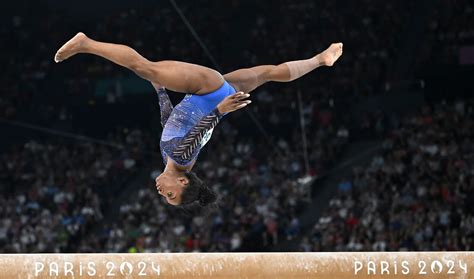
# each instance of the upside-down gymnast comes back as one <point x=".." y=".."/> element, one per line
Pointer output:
<point x="188" y="126"/>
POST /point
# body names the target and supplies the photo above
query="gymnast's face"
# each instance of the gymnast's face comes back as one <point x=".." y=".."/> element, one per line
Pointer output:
<point x="171" y="187"/>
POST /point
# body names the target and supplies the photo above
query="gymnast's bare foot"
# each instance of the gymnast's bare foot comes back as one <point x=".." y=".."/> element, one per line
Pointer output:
<point x="331" y="54"/>
<point x="71" y="47"/>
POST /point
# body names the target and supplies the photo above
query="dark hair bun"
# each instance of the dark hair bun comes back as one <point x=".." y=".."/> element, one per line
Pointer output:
<point x="197" y="197"/>
<point x="206" y="196"/>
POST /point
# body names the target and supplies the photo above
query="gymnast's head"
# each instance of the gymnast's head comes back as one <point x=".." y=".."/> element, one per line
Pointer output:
<point x="185" y="190"/>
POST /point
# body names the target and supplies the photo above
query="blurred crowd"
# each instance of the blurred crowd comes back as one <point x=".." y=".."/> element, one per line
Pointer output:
<point x="158" y="33"/>
<point x="56" y="192"/>
<point x="417" y="195"/>
<point x="449" y="30"/>
<point x="259" y="201"/>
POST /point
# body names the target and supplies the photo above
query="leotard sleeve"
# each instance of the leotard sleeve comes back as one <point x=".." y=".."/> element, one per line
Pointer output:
<point x="191" y="142"/>
<point x="165" y="105"/>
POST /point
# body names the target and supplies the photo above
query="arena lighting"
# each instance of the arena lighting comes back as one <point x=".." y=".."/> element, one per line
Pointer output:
<point x="240" y="265"/>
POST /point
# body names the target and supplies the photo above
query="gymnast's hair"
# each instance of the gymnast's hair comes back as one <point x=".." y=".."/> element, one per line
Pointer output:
<point x="197" y="198"/>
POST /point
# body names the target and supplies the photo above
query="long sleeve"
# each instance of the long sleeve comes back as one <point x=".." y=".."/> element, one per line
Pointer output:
<point x="185" y="149"/>
<point x="165" y="105"/>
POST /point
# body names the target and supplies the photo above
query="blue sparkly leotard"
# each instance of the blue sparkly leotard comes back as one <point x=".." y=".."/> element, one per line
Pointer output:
<point x="188" y="126"/>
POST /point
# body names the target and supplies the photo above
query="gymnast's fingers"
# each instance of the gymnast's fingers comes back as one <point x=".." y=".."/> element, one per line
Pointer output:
<point x="236" y="95"/>
<point x="242" y="104"/>
<point x="242" y="96"/>
<point x="241" y="101"/>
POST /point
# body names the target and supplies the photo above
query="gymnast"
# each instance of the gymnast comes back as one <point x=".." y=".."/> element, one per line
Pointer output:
<point x="188" y="126"/>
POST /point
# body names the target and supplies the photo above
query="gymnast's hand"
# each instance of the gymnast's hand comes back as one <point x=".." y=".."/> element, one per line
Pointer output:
<point x="233" y="102"/>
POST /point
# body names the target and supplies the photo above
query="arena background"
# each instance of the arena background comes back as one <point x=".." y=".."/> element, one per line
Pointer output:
<point x="374" y="154"/>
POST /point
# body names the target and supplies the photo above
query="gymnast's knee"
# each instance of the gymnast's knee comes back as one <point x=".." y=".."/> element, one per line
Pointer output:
<point x="278" y="73"/>
<point x="143" y="68"/>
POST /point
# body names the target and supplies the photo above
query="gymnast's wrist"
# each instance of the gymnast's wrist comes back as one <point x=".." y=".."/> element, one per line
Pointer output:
<point x="219" y="112"/>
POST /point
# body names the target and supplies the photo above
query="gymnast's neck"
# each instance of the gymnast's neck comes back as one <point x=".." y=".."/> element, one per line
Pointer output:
<point x="172" y="167"/>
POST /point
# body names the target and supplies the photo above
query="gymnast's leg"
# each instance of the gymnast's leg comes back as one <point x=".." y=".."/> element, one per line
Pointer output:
<point x="174" y="75"/>
<point x="248" y="79"/>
